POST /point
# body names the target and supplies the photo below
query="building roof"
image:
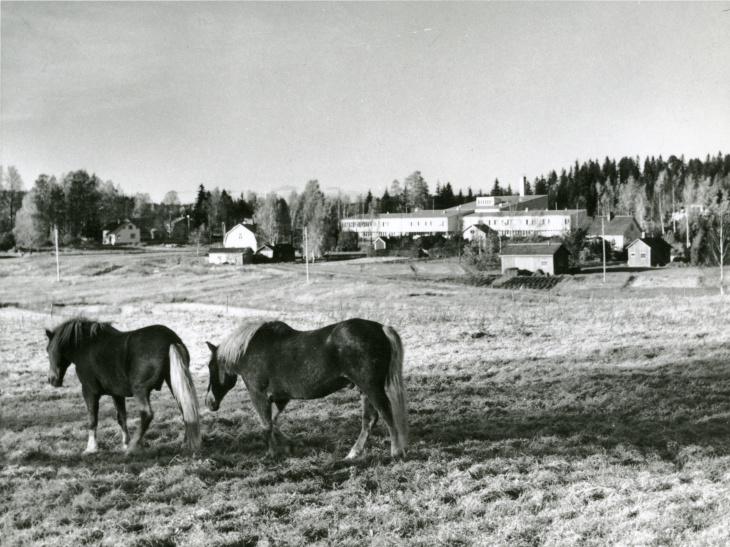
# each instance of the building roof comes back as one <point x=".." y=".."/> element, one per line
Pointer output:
<point x="617" y="226"/>
<point x="531" y="249"/>
<point x="464" y="209"/>
<point x="533" y="213"/>
<point x="482" y="228"/>
<point x="656" y="243"/>
<point x="114" y="226"/>
<point x="249" y="227"/>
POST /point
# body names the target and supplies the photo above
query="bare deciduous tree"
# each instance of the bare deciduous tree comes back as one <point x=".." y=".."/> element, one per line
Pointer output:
<point x="718" y="235"/>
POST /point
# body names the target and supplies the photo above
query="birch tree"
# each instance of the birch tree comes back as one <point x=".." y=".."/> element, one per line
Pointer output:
<point x="718" y="234"/>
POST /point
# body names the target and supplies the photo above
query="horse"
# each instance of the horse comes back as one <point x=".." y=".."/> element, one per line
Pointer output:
<point x="278" y="363"/>
<point x="124" y="364"/>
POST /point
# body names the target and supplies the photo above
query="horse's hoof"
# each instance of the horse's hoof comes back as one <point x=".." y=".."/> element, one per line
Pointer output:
<point x="90" y="451"/>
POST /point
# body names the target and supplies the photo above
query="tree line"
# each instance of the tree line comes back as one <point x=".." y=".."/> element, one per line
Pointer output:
<point x="79" y="205"/>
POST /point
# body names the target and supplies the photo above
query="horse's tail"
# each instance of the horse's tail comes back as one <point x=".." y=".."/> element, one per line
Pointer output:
<point x="183" y="389"/>
<point x="395" y="389"/>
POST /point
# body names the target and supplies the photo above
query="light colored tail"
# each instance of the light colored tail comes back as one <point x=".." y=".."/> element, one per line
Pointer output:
<point x="395" y="389"/>
<point x="183" y="389"/>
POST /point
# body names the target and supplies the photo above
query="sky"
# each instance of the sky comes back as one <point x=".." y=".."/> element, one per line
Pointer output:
<point x="159" y="96"/>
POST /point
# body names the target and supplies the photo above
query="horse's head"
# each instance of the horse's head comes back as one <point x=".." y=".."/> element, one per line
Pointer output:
<point x="219" y="383"/>
<point x="59" y="363"/>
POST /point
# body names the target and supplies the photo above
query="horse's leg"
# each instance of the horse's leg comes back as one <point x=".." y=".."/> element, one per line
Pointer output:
<point x="380" y="401"/>
<point x="145" y="413"/>
<point x="92" y="404"/>
<point x="369" y="419"/>
<point x="121" y="406"/>
<point x="263" y="409"/>
<point x="276" y="409"/>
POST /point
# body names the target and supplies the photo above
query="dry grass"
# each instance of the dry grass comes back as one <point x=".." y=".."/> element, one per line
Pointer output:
<point x="580" y="420"/>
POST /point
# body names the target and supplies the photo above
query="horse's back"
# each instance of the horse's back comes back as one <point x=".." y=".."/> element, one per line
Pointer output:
<point x="153" y="339"/>
<point x="123" y="361"/>
<point x="295" y="364"/>
<point x="361" y="343"/>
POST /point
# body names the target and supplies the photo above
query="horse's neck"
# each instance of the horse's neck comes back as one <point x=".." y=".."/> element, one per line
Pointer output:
<point x="76" y="352"/>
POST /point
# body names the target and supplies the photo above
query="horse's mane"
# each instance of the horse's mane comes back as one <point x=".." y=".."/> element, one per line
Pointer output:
<point x="234" y="346"/>
<point x="76" y="330"/>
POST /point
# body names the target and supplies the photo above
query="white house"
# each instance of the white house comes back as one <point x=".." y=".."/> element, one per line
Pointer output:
<point x="120" y="233"/>
<point x="240" y="237"/>
<point x="619" y="230"/>
<point x="477" y="233"/>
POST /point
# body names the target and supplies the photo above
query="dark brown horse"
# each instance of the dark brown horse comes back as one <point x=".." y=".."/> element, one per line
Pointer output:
<point x="278" y="363"/>
<point x="124" y="364"/>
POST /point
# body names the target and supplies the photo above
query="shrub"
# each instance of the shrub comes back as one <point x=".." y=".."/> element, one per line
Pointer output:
<point x="7" y="241"/>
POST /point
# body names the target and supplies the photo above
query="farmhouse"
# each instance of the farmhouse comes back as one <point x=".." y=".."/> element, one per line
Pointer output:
<point x="229" y="255"/>
<point x="618" y="230"/>
<point x="120" y="233"/>
<point x="649" y="251"/>
<point x="240" y="237"/>
<point x="551" y="258"/>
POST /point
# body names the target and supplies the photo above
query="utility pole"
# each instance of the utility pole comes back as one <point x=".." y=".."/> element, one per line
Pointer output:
<point x="58" y="268"/>
<point x="603" y="239"/>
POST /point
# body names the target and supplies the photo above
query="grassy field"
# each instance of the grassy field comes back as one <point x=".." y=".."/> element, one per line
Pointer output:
<point x="592" y="415"/>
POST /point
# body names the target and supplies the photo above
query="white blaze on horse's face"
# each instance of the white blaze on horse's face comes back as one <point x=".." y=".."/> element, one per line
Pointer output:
<point x="210" y="401"/>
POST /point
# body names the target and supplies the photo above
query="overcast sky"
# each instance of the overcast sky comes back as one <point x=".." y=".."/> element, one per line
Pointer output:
<point x="160" y="96"/>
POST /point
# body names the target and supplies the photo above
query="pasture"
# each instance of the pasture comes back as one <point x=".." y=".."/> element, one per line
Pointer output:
<point x="584" y="418"/>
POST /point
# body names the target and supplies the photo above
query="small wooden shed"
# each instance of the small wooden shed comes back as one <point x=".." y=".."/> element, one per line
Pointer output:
<point x="229" y="255"/>
<point x="649" y="251"/>
<point x="267" y="251"/>
<point x="277" y="253"/>
<point x="551" y="258"/>
<point x="379" y="244"/>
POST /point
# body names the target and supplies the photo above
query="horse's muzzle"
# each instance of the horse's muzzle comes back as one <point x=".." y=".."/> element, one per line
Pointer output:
<point x="211" y="403"/>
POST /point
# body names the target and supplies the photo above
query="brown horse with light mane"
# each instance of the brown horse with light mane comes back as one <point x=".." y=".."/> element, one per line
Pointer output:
<point x="278" y="363"/>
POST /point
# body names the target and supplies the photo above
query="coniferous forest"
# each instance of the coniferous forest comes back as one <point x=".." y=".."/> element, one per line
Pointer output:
<point x="655" y="190"/>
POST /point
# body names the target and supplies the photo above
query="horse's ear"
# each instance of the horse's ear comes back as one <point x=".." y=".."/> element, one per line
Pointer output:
<point x="49" y="334"/>
<point x="212" y="347"/>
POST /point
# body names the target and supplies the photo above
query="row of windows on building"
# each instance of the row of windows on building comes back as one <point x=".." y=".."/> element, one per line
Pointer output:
<point x="365" y="224"/>
<point x="528" y="222"/>
<point x="489" y="222"/>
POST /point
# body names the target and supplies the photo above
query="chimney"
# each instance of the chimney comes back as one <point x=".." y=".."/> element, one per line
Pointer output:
<point x="522" y="186"/>
<point x="643" y="235"/>
<point x="609" y="216"/>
